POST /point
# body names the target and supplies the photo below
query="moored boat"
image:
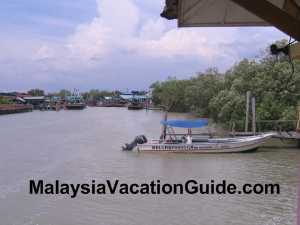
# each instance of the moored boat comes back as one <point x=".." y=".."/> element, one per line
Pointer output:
<point x="75" y="106"/>
<point x="135" y="106"/>
<point x="193" y="143"/>
<point x="75" y="102"/>
<point x="114" y="101"/>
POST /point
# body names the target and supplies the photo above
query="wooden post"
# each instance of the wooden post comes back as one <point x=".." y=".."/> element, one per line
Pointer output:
<point x="233" y="129"/>
<point x="253" y="116"/>
<point x="295" y="51"/>
<point x="298" y="123"/>
<point x="247" y="111"/>
<point x="164" y="127"/>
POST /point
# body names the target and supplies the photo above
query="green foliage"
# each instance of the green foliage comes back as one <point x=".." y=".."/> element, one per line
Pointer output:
<point x="4" y="101"/>
<point x="36" y="92"/>
<point x="95" y="94"/>
<point x="202" y="90"/>
<point x="171" y="94"/>
<point x="223" y="96"/>
<point x="227" y="106"/>
<point x="63" y="93"/>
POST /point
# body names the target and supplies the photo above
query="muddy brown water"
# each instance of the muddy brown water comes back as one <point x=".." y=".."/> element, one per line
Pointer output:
<point x="76" y="147"/>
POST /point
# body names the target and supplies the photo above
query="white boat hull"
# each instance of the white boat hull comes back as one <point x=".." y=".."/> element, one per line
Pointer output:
<point x="219" y="145"/>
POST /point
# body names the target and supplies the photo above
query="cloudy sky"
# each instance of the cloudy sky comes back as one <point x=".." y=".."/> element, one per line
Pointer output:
<point x="105" y="44"/>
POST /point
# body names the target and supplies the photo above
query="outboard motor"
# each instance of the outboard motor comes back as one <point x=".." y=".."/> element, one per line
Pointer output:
<point x="141" y="139"/>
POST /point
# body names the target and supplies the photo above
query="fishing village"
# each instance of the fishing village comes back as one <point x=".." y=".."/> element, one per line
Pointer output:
<point x="14" y="102"/>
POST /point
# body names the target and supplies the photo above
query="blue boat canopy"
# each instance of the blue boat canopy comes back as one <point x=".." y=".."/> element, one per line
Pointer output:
<point x="186" y="123"/>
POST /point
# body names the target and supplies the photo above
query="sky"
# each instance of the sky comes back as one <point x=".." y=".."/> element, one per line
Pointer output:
<point x="111" y="45"/>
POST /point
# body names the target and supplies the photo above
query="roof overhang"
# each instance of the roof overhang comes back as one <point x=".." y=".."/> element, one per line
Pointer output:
<point x="295" y="51"/>
<point x="283" y="14"/>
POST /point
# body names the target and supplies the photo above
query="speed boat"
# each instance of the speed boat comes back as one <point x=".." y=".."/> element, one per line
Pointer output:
<point x="194" y="143"/>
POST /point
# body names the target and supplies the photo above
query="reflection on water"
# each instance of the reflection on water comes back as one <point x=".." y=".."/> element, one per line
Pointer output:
<point x="80" y="146"/>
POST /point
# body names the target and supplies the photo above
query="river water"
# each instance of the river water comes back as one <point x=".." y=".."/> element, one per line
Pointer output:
<point x="78" y="146"/>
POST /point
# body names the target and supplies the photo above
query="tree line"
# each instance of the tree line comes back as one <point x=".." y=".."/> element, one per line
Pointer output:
<point x="273" y="80"/>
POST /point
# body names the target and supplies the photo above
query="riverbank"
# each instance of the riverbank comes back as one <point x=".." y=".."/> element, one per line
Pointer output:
<point x="14" y="108"/>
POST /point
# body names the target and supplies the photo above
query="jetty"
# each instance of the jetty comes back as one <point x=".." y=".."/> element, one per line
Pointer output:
<point x="14" y="108"/>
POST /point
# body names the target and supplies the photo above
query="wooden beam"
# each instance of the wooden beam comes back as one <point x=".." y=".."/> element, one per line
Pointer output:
<point x="295" y="51"/>
<point x="273" y="15"/>
<point x="292" y="8"/>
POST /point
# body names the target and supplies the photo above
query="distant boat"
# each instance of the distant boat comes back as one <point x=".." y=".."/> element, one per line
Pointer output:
<point x="75" y="102"/>
<point x="113" y="105"/>
<point x="190" y="143"/>
<point x="75" y="106"/>
<point x="114" y="101"/>
<point x="135" y="105"/>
